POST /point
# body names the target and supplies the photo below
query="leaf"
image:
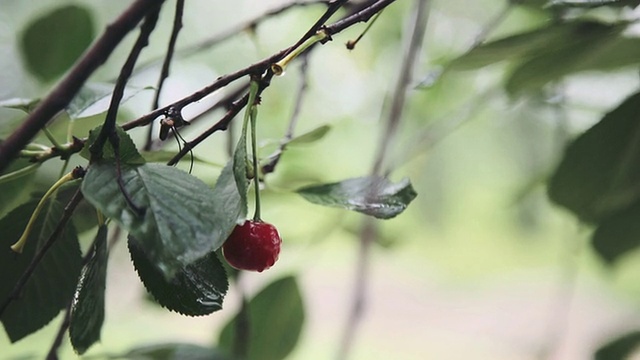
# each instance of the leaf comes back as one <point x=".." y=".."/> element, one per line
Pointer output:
<point x="53" y="282"/>
<point x="15" y="189"/>
<point x="87" y="308"/>
<point x="195" y="289"/>
<point x="173" y="351"/>
<point x="239" y="161"/>
<point x="95" y="98"/>
<point x="543" y="40"/>
<point x="599" y="174"/>
<point x="230" y="205"/>
<point x="163" y="156"/>
<point x="589" y="4"/>
<point x="373" y="196"/>
<point x="619" y="348"/>
<point x="618" y="234"/>
<point x="275" y="318"/>
<point x="62" y="34"/>
<point x="594" y="46"/>
<point x="26" y="105"/>
<point x="128" y="152"/>
<point x="184" y="219"/>
<point x="311" y="136"/>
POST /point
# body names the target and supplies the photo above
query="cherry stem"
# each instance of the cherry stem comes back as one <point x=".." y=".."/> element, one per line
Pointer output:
<point x="253" y="110"/>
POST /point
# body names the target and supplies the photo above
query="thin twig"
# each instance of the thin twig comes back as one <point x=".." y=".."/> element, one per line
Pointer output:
<point x="369" y="230"/>
<point x="166" y="65"/>
<point x="108" y="131"/>
<point x="66" y="215"/>
<point x="293" y="121"/>
<point x="64" y="92"/>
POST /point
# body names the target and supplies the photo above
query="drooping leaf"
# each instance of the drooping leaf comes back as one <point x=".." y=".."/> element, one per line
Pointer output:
<point x="230" y="205"/>
<point x="311" y="136"/>
<point x="195" y="289"/>
<point x="173" y="351"/>
<point x="128" y="152"/>
<point x="53" y="282"/>
<point x="618" y="234"/>
<point x="26" y="105"/>
<point x="163" y="156"/>
<point x="600" y="170"/>
<point x="184" y="219"/>
<point x="374" y="196"/>
<point x="619" y="348"/>
<point x="239" y="161"/>
<point x="87" y="308"/>
<point x="94" y="99"/>
<point x="62" y="34"/>
<point x="275" y="318"/>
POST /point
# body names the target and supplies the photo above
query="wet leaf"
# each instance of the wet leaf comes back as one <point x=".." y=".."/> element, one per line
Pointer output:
<point x="599" y="174"/>
<point x="128" y="152"/>
<point x="62" y="34"/>
<point x="372" y="196"/>
<point x="53" y="282"/>
<point x="87" y="308"/>
<point x="275" y="318"/>
<point x="175" y="351"/>
<point x="195" y="289"/>
<point x="184" y="219"/>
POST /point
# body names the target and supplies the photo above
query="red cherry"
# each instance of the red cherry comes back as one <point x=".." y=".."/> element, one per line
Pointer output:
<point x="253" y="246"/>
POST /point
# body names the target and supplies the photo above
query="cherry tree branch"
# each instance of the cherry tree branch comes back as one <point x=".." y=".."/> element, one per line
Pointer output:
<point x="64" y="92"/>
<point x="166" y="64"/>
<point x="369" y="230"/>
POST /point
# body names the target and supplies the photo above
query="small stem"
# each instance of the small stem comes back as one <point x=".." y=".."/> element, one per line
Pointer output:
<point x="51" y="138"/>
<point x="279" y="67"/>
<point x="19" y="173"/>
<point x="18" y="246"/>
<point x="351" y="44"/>
<point x="253" y="110"/>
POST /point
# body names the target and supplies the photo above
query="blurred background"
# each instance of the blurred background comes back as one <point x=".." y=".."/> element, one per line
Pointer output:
<point x="480" y="266"/>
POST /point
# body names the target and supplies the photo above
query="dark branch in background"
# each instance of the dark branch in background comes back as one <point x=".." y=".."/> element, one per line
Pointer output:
<point x="166" y="64"/>
<point x="259" y="67"/>
<point x="302" y="90"/>
<point x="64" y="92"/>
<point x="108" y="131"/>
<point x="369" y="231"/>
<point x="66" y="216"/>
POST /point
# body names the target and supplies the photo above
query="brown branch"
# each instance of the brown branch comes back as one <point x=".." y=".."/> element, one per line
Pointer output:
<point x="369" y="231"/>
<point x="64" y="92"/>
<point x="166" y="64"/>
<point x="66" y="216"/>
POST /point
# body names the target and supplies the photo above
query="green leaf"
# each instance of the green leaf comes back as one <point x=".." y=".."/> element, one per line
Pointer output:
<point x="619" y="348"/>
<point x="543" y="40"/>
<point x="240" y="171"/>
<point x="371" y="195"/>
<point x="26" y="105"/>
<point x="311" y="136"/>
<point x="275" y="318"/>
<point x="87" y="308"/>
<point x="230" y="206"/>
<point x="196" y="289"/>
<point x="95" y="98"/>
<point x="163" y="156"/>
<point x="599" y="174"/>
<point x="53" y="282"/>
<point x="174" y="351"/>
<point x="184" y="219"/>
<point x="618" y="234"/>
<point x="128" y="152"/>
<point x="62" y="34"/>
<point x="590" y="4"/>
<point x="594" y="46"/>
